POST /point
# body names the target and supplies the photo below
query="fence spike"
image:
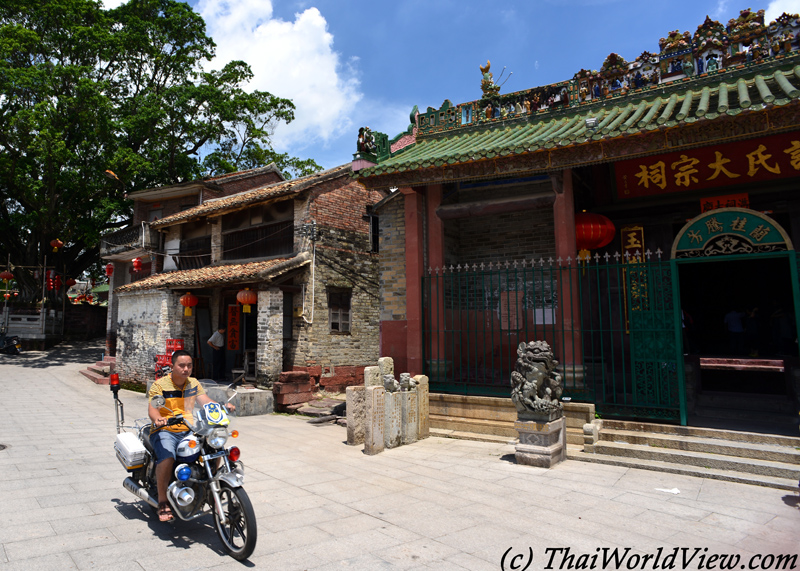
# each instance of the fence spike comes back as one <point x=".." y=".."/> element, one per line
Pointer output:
<point x="451" y="268"/>
<point x="658" y="253"/>
<point x="607" y="257"/>
<point x="559" y="260"/>
<point x="616" y="257"/>
<point x="430" y="270"/>
<point x="541" y="261"/>
<point x="482" y="266"/>
<point x="507" y="264"/>
<point x="550" y="261"/>
<point x="514" y="264"/>
<point x="627" y="255"/>
<point x="474" y="267"/>
<point x="458" y="267"/>
<point x="569" y="260"/>
<point x="648" y="254"/>
<point x="524" y="262"/>
<point x="596" y="258"/>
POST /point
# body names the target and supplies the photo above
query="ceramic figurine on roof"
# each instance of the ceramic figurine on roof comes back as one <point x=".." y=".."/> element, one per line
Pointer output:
<point x="366" y="141"/>
<point x="488" y="86"/>
<point x="710" y="42"/>
<point x="643" y="72"/>
<point x="783" y="33"/>
<point x="586" y="81"/>
<point x="676" y="57"/>
<point x="747" y="35"/>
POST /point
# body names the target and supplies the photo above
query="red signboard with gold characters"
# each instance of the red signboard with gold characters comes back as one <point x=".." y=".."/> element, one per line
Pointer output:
<point x="234" y="318"/>
<point x="754" y="160"/>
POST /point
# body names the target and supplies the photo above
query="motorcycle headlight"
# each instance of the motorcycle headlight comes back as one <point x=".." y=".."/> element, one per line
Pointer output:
<point x="218" y="437"/>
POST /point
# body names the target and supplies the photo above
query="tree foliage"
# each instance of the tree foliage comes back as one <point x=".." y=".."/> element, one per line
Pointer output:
<point x="83" y="90"/>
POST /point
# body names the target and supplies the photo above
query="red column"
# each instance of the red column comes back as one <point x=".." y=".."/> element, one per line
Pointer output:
<point x="414" y="209"/>
<point x="436" y="313"/>
<point x="568" y="315"/>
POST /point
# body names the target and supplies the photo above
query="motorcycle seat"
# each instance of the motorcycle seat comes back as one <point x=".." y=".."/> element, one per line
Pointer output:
<point x="146" y="440"/>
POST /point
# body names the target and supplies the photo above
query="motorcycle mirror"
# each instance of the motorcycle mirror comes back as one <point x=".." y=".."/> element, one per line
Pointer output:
<point x="158" y="401"/>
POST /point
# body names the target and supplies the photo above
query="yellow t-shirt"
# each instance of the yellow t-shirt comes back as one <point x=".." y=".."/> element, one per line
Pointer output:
<point x="178" y="400"/>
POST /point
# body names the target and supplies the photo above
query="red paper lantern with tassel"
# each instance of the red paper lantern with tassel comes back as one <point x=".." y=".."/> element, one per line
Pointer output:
<point x="247" y="297"/>
<point x="188" y="301"/>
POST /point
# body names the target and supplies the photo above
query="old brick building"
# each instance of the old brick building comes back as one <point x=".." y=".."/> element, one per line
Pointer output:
<point x="303" y="245"/>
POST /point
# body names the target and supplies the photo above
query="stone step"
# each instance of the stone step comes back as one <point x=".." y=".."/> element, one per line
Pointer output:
<point x="699" y="459"/>
<point x="576" y="453"/>
<point x="772" y="452"/>
<point x="474" y="425"/>
<point x="732" y="435"/>
<point x="477" y="437"/>
<point x="724" y="413"/>
<point x="100" y="369"/>
<point x="106" y="365"/>
<point x="95" y="377"/>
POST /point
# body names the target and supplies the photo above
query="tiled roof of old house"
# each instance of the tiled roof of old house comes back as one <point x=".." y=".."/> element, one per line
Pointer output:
<point x="218" y="275"/>
<point x="234" y="202"/>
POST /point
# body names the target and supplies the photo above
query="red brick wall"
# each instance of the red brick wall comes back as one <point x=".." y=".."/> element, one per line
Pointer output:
<point x="337" y="381"/>
<point x="343" y="206"/>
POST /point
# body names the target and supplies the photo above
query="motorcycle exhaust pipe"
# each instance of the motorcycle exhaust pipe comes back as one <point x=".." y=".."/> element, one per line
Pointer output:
<point x="139" y="492"/>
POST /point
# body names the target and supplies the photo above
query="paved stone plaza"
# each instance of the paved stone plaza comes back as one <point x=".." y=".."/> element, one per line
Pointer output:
<point x="435" y="504"/>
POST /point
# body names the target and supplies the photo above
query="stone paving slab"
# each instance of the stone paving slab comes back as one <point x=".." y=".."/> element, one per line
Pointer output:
<point x="322" y="505"/>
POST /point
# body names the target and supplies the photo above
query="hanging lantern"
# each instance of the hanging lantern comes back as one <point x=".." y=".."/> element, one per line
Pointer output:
<point x="137" y="265"/>
<point x="58" y="282"/>
<point x="6" y="276"/>
<point x="49" y="284"/>
<point x="56" y="244"/>
<point x="7" y="295"/>
<point x="188" y="301"/>
<point x="71" y="282"/>
<point x="89" y="298"/>
<point x="109" y="270"/>
<point x="247" y="297"/>
<point x="592" y="231"/>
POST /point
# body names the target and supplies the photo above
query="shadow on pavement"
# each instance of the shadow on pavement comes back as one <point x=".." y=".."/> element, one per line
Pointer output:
<point x="69" y="352"/>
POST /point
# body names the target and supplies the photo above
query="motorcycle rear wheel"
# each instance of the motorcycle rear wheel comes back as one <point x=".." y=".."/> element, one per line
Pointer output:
<point x="240" y="533"/>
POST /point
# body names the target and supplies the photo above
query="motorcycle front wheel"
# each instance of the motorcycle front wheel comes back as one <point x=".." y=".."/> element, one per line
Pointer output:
<point x="239" y="534"/>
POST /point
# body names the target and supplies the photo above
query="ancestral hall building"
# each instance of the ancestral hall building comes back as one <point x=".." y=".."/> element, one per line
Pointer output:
<point x="691" y="153"/>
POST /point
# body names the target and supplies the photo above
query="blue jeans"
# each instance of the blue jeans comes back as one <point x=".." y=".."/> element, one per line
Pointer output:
<point x="165" y="443"/>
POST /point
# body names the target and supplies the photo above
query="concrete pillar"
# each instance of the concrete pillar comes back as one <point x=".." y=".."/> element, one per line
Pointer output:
<point x="269" y="349"/>
<point x="116" y="280"/>
<point x="414" y="211"/>
<point x="423" y="407"/>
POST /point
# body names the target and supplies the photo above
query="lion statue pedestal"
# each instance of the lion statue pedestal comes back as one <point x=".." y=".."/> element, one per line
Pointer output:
<point x="535" y="390"/>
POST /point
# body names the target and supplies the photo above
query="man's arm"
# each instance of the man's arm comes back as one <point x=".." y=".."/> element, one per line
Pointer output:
<point x="155" y="416"/>
<point x="210" y="344"/>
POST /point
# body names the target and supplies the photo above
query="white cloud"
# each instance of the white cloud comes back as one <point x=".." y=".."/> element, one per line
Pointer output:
<point x="110" y="4"/>
<point x="291" y="59"/>
<point x="721" y="9"/>
<point x="777" y="7"/>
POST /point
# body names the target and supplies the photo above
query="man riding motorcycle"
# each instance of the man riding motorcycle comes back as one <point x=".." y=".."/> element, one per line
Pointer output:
<point x="181" y="392"/>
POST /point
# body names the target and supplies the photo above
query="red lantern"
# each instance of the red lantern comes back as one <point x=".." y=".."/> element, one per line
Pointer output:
<point x="56" y="244"/>
<point x="71" y="282"/>
<point x="247" y="297"/>
<point x="7" y="295"/>
<point x="89" y="298"/>
<point x="6" y="276"/>
<point x="592" y="231"/>
<point x="137" y="265"/>
<point x="188" y="301"/>
<point x="49" y="283"/>
<point x="109" y="270"/>
<point x="58" y="283"/>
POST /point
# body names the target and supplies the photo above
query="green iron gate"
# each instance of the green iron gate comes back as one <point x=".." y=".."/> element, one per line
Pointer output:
<point x="613" y="325"/>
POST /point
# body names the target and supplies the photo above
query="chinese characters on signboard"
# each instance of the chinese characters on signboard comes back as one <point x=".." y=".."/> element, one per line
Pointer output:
<point x="233" y="327"/>
<point x="766" y="158"/>
<point x="727" y="201"/>
<point x="729" y="231"/>
<point x="632" y="238"/>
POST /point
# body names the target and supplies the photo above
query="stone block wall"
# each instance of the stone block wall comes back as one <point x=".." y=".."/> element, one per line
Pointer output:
<point x="145" y="321"/>
<point x="392" y="260"/>
<point x="269" y="349"/>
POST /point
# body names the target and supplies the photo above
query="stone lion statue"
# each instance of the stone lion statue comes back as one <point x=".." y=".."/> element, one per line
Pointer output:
<point x="535" y="384"/>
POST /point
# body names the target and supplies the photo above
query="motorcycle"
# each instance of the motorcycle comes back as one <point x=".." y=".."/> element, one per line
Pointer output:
<point x="207" y="477"/>
<point x="10" y="344"/>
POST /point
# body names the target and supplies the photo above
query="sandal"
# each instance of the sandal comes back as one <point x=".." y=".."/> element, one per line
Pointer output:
<point x="164" y="512"/>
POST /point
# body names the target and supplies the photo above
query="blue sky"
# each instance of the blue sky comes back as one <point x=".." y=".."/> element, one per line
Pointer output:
<point x="351" y="63"/>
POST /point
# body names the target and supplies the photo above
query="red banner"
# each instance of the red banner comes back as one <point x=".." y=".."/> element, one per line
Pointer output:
<point x="234" y="319"/>
<point x="765" y="158"/>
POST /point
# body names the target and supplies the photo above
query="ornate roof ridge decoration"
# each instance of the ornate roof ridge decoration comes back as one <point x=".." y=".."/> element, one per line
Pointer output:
<point x="710" y="34"/>
<point x="675" y="41"/>
<point x="613" y="65"/>
<point x="748" y="23"/>
<point x="784" y="20"/>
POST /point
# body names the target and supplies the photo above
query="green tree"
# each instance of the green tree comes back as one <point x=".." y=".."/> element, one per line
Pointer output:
<point x="83" y="89"/>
